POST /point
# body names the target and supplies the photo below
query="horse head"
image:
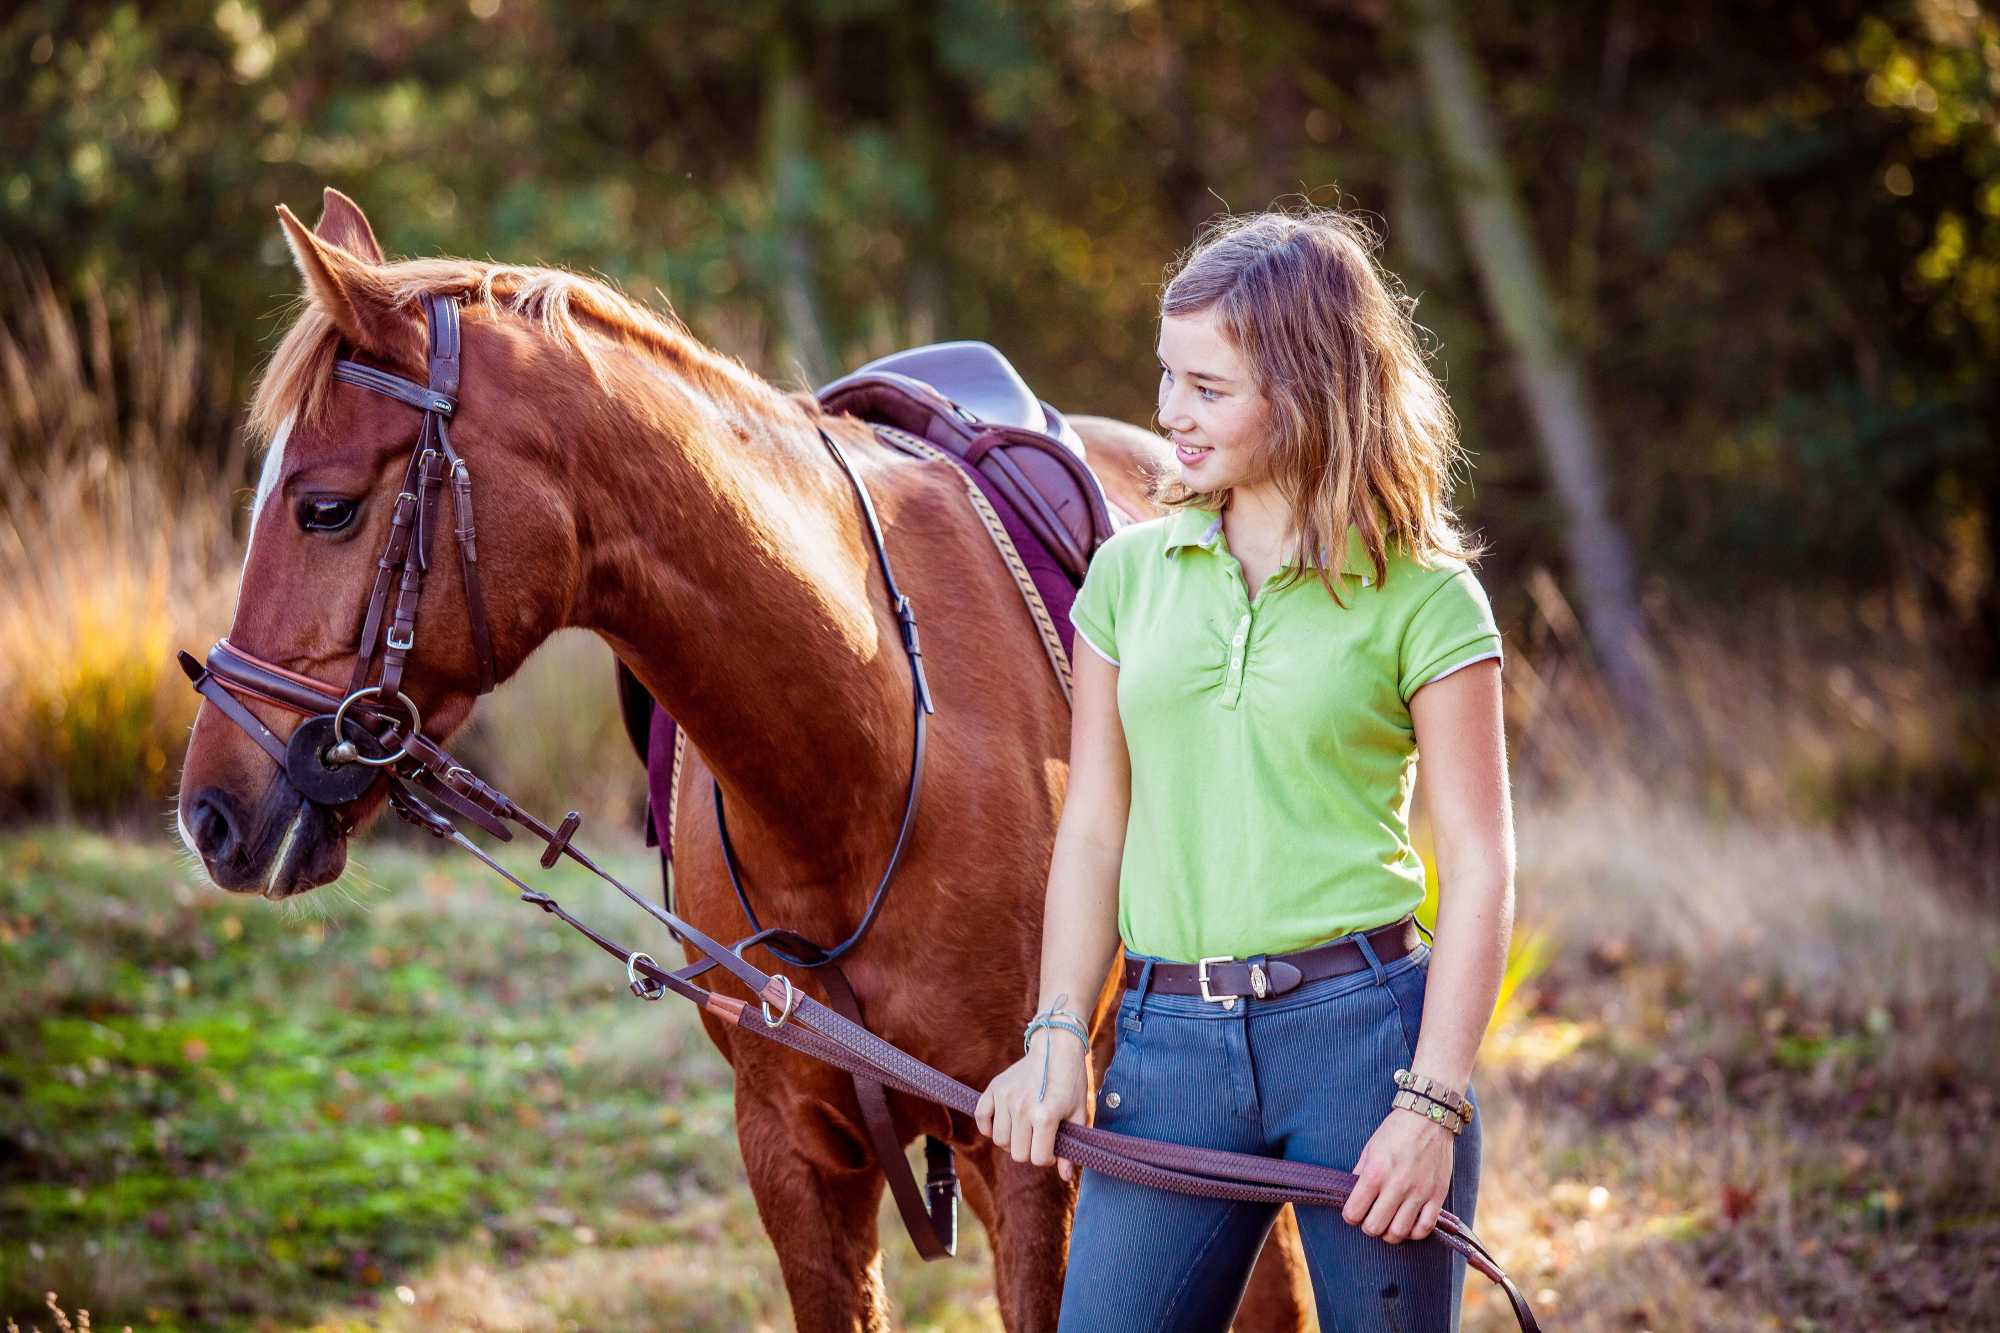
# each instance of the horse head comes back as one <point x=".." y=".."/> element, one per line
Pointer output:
<point x="333" y="504"/>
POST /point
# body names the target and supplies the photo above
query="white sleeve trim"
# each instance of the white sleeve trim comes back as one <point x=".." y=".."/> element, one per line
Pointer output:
<point x="1466" y="663"/>
<point x="1093" y="647"/>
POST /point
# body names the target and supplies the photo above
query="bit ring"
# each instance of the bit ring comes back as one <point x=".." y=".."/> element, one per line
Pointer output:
<point x="416" y="725"/>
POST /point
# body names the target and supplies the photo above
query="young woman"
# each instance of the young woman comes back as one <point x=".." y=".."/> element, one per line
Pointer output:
<point x="1264" y="663"/>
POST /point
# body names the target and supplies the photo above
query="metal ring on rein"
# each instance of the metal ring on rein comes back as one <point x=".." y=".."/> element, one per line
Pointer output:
<point x="643" y="987"/>
<point x="791" y="1002"/>
<point x="340" y="716"/>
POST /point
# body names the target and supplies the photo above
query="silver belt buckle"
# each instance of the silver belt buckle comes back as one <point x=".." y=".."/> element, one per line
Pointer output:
<point x="1201" y="975"/>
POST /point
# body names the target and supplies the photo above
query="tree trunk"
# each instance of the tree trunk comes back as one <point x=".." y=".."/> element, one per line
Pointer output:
<point x="1548" y="370"/>
<point x="789" y="176"/>
<point x="920" y="106"/>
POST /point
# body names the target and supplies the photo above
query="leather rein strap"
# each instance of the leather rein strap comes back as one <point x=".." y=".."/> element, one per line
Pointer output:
<point x="346" y="731"/>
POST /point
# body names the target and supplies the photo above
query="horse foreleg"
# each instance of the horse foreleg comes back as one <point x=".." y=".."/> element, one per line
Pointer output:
<point x="1028" y="1231"/>
<point x="817" y="1190"/>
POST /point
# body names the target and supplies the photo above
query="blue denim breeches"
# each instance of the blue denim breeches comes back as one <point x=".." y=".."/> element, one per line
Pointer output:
<point x="1305" y="1076"/>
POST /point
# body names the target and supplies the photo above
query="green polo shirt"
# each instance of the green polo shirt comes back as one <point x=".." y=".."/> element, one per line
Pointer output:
<point x="1273" y="756"/>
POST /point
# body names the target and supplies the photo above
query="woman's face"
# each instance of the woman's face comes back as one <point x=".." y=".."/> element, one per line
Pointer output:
<point x="1210" y="406"/>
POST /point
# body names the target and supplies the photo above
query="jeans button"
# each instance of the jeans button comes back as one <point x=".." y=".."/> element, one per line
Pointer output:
<point x="1111" y="1100"/>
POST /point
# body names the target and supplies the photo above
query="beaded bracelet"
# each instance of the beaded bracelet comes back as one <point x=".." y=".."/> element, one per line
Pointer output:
<point x="1435" y="1091"/>
<point x="1435" y="1112"/>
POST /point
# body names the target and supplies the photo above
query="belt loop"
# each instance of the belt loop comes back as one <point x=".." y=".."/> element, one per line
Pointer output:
<point x="1145" y="984"/>
<point x="1360" y="937"/>
<point x="1260" y="977"/>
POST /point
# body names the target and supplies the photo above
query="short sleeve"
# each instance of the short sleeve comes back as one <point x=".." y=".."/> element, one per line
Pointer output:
<point x="1095" y="610"/>
<point x="1452" y="627"/>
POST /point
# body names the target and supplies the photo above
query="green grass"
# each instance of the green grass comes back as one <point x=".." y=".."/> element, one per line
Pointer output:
<point x="423" y="1105"/>
<point x="216" y="1112"/>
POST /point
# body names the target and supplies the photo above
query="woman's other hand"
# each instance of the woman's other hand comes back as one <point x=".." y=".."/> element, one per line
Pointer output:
<point x="1402" y="1178"/>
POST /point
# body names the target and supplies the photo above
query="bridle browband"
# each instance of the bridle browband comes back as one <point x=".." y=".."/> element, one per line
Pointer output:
<point x="337" y="753"/>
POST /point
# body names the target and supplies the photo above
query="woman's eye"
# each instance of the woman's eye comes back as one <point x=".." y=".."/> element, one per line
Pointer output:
<point x="1208" y="395"/>
<point x="327" y="513"/>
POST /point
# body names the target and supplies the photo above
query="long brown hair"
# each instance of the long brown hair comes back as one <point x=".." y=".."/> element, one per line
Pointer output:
<point x="1361" y="432"/>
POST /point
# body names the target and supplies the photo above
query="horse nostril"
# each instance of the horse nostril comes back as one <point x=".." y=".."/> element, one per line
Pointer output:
<point x="213" y="828"/>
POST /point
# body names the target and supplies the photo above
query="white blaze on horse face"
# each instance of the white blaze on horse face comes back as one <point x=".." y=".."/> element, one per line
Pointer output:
<point x="274" y="467"/>
<point x="267" y="481"/>
<point x="187" y="837"/>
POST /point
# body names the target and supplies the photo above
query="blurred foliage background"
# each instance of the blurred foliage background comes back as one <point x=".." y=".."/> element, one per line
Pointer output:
<point x="1770" y="236"/>
<point x="1738" y="262"/>
<point x="1774" y="230"/>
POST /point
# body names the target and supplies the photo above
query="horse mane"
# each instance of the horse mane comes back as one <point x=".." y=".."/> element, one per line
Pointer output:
<point x="572" y="310"/>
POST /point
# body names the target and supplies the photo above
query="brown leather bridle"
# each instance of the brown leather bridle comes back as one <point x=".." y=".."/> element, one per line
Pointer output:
<point x="335" y="756"/>
<point x="345" y="744"/>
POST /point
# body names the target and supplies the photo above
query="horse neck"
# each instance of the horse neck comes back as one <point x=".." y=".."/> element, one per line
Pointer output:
<point x="726" y="562"/>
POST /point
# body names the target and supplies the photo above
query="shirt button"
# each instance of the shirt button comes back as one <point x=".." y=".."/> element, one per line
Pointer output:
<point x="1111" y="1100"/>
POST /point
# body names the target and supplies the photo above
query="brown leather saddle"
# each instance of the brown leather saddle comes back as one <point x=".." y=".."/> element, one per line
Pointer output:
<point x="967" y="399"/>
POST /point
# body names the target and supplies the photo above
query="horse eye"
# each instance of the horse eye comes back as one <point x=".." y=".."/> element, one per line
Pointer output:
<point x="326" y="513"/>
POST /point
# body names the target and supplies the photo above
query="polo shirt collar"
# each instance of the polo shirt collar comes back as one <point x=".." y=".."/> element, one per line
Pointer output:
<point x="1202" y="527"/>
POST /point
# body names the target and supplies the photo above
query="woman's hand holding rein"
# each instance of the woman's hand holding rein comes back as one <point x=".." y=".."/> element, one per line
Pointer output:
<point x="1023" y="1107"/>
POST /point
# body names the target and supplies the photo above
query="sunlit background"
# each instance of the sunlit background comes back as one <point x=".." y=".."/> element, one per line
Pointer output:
<point x="1715" y="291"/>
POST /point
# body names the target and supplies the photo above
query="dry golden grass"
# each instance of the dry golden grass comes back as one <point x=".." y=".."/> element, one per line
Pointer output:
<point x="109" y="565"/>
<point x="81" y="1324"/>
<point x="116" y="547"/>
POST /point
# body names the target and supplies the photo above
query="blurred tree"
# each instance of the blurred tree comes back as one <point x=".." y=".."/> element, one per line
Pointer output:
<point x="1771" y="233"/>
<point x="1481" y="185"/>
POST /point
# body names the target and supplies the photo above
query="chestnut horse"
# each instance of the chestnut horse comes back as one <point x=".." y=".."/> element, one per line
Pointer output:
<point x="637" y="484"/>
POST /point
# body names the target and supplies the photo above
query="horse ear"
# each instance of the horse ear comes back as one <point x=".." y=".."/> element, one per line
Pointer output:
<point x="342" y="223"/>
<point x="356" y="297"/>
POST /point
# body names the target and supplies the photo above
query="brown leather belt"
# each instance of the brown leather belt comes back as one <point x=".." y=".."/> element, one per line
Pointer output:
<point x="1259" y="977"/>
